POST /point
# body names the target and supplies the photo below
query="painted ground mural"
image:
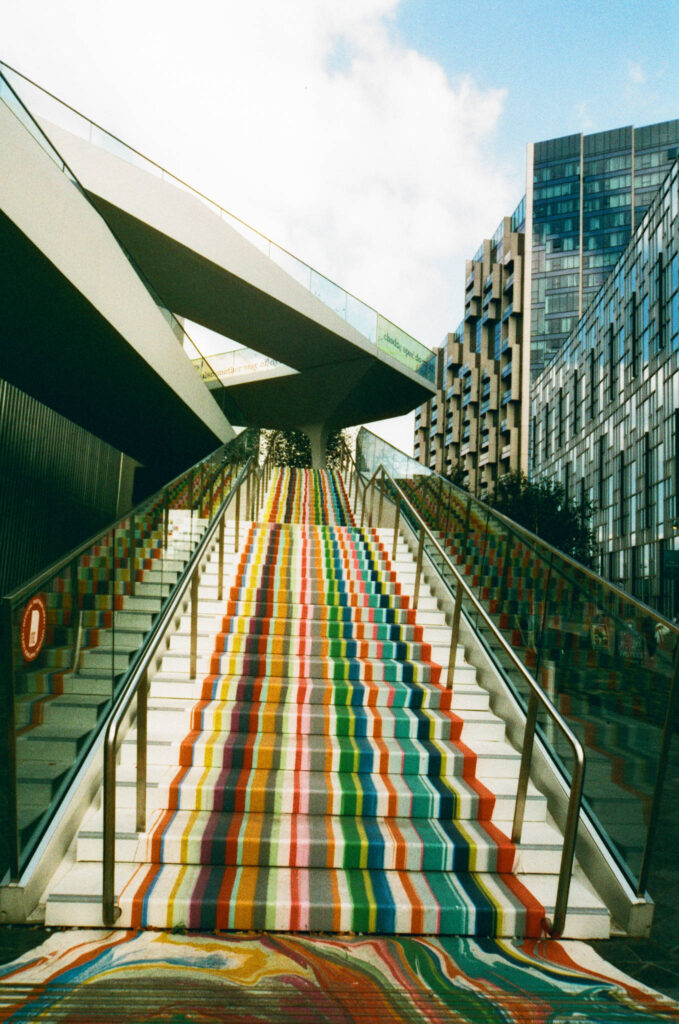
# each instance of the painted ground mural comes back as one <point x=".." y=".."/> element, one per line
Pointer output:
<point x="145" y="977"/>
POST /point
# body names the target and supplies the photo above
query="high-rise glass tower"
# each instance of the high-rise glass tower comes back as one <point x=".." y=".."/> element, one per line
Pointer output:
<point x="585" y="195"/>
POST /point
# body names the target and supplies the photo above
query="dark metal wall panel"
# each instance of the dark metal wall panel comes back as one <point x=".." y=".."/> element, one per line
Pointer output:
<point x="58" y="484"/>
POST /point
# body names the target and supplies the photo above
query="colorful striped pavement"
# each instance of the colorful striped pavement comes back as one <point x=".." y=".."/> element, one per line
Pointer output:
<point x="122" y="977"/>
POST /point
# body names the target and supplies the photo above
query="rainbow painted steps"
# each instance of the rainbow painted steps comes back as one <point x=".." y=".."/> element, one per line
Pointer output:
<point x="58" y="704"/>
<point x="317" y="775"/>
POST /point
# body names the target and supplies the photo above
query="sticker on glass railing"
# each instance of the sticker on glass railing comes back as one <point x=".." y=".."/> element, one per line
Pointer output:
<point x="33" y="625"/>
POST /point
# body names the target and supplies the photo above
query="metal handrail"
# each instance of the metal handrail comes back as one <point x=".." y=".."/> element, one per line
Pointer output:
<point x="537" y="697"/>
<point x="137" y="684"/>
<point x="537" y="543"/>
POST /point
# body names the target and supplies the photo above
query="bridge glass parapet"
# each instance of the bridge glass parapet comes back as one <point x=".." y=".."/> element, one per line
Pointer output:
<point x="607" y="661"/>
<point x="11" y="98"/>
<point x="388" y="338"/>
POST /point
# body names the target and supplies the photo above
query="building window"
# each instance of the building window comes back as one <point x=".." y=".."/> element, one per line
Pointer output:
<point x="576" y="405"/>
<point x="648" y="482"/>
<point x="602" y="453"/>
<point x="612" y="374"/>
<point x="592" y="386"/>
<point x="622" y="505"/>
<point x="660" y="299"/>
<point x="631" y="315"/>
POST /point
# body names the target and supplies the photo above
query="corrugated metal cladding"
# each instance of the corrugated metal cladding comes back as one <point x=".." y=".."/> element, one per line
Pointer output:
<point x="58" y="485"/>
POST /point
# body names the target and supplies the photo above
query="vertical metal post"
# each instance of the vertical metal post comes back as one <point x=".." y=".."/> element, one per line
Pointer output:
<point x="76" y="617"/>
<point x="211" y="492"/>
<point x="363" y="504"/>
<point x="193" y="658"/>
<point x="113" y="611"/>
<point x="166" y="517"/>
<point x="568" y="854"/>
<point x="109" y="836"/>
<point x="220" y="580"/>
<point x="524" y="769"/>
<point x="130" y="556"/>
<point x="465" y="529"/>
<point x="248" y="502"/>
<point x="445" y="528"/>
<point x="454" y="635"/>
<point x="418" y="569"/>
<point x="9" y="737"/>
<point x="372" y="502"/>
<point x="142" y="719"/>
<point x="397" y="523"/>
<point x="191" y="475"/>
<point x="237" y="520"/>
<point x="379" y="504"/>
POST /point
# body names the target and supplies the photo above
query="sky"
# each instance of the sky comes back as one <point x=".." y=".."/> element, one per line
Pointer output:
<point x="378" y="140"/>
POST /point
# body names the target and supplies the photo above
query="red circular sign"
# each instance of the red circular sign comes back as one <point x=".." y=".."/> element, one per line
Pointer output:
<point x="33" y="627"/>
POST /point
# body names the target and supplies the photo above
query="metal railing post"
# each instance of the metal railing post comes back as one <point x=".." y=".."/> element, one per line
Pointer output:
<point x="465" y="529"/>
<point x="220" y="581"/>
<point x="130" y="556"/>
<point x="418" y="568"/>
<point x="110" y="911"/>
<point x="166" y="517"/>
<point x="142" y="734"/>
<point x="524" y="770"/>
<point x="454" y="636"/>
<point x="397" y="523"/>
<point x="193" y="658"/>
<point x="372" y="503"/>
<point x="380" y="502"/>
<point x="76" y="615"/>
<point x="237" y="519"/>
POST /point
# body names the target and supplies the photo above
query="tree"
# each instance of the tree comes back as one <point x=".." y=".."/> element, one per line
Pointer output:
<point x="293" y="448"/>
<point x="244" y="445"/>
<point x="457" y="475"/>
<point x="543" y="507"/>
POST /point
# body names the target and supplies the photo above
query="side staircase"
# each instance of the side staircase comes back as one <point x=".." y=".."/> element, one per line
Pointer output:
<point x="57" y="705"/>
<point x="609" y="681"/>
<point x="317" y="774"/>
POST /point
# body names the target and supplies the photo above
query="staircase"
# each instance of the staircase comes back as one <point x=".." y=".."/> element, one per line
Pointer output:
<point x="614" y="699"/>
<point x="57" y="705"/>
<point x="317" y="775"/>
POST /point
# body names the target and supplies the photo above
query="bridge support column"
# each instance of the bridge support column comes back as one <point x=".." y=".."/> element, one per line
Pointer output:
<point x="318" y="436"/>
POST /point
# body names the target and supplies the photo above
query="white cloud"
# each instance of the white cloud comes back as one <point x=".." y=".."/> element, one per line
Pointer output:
<point x="307" y="118"/>
<point x="636" y="74"/>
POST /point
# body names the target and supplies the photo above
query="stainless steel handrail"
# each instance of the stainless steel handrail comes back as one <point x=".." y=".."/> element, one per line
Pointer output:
<point x="537" y="697"/>
<point x="538" y="543"/>
<point x="137" y="686"/>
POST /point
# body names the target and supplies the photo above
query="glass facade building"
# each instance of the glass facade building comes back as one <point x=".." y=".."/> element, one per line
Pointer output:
<point x="605" y="413"/>
<point x="586" y="195"/>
